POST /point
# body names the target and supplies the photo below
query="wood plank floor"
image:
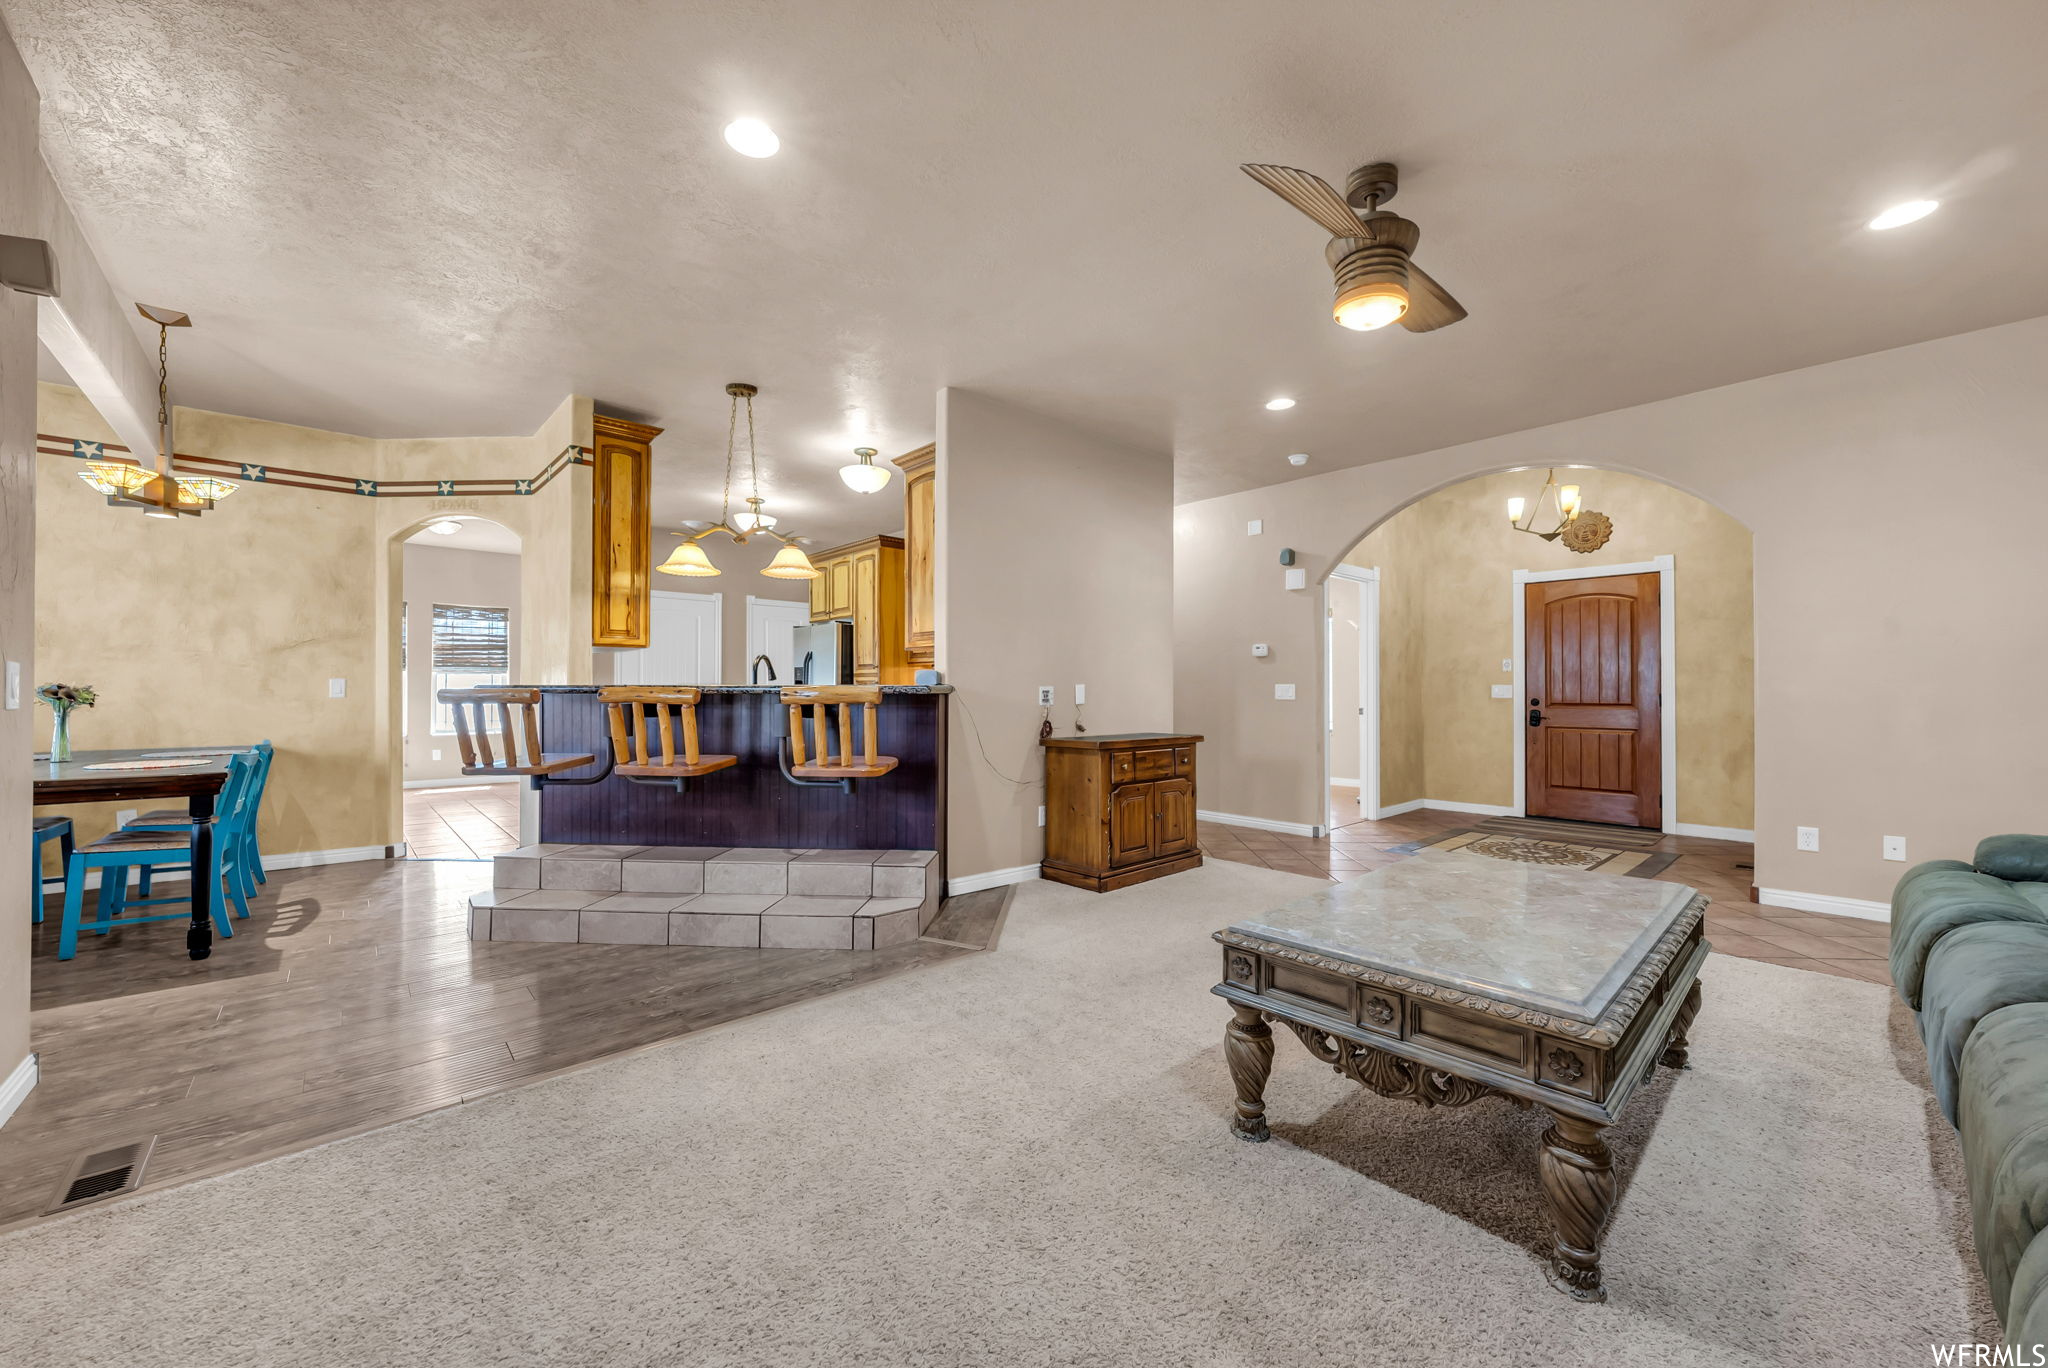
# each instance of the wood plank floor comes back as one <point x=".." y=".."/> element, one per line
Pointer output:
<point x="1847" y="947"/>
<point x="353" y="998"/>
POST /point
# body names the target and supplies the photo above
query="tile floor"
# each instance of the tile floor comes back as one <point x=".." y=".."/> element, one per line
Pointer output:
<point x="471" y="822"/>
<point x="1845" y="946"/>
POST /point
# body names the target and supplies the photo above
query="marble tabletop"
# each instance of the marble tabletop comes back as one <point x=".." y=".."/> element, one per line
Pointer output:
<point x="1554" y="940"/>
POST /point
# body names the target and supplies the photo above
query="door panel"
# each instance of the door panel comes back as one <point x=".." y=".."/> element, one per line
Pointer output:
<point x="1174" y="801"/>
<point x="682" y="645"/>
<point x="1594" y="671"/>
<point x="867" y="617"/>
<point x="1131" y="834"/>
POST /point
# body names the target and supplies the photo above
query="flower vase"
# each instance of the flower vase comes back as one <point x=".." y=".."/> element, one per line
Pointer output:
<point x="60" y="735"/>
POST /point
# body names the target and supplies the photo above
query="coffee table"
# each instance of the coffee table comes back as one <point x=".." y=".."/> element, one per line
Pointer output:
<point x="1452" y="977"/>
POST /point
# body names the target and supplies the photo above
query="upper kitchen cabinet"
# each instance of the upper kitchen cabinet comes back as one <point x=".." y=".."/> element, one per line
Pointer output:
<point x="863" y="581"/>
<point x="920" y="615"/>
<point x="621" y="546"/>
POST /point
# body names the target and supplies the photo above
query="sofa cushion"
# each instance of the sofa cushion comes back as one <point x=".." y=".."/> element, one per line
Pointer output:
<point x="2035" y="893"/>
<point x="1972" y="972"/>
<point x="2026" y="1310"/>
<point x="1934" y="899"/>
<point x="2016" y="858"/>
<point x="2002" y="1115"/>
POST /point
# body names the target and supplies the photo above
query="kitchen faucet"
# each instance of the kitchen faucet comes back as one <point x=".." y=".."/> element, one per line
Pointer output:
<point x="759" y="661"/>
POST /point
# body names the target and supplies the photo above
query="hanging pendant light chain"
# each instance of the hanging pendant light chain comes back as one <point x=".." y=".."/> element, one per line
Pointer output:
<point x="163" y="396"/>
<point x="732" y="421"/>
<point x="753" y="458"/>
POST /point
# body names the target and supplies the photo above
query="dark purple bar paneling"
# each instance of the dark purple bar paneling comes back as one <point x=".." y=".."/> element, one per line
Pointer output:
<point x="751" y="804"/>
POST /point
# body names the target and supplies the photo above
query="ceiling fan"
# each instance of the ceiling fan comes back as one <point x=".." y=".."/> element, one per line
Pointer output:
<point x="1377" y="284"/>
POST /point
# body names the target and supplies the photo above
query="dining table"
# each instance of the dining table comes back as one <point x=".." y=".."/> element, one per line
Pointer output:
<point x="194" y="773"/>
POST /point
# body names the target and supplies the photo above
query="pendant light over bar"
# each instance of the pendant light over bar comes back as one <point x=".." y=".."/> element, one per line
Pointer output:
<point x="691" y="559"/>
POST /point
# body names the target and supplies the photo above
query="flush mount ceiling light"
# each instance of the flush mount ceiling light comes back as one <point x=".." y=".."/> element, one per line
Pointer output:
<point x="1368" y="252"/>
<point x="1299" y="458"/>
<point x="447" y="527"/>
<point x="1283" y="402"/>
<point x="864" y="476"/>
<point x="690" y="558"/>
<point x="752" y="138"/>
<point x="1899" y="215"/>
<point x="158" y="492"/>
<point x="1580" y="528"/>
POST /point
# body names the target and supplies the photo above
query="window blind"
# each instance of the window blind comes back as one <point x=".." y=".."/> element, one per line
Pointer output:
<point x="472" y="640"/>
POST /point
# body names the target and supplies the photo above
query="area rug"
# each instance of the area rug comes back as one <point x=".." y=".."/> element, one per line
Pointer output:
<point x="1583" y="833"/>
<point x="1638" y="864"/>
<point x="1022" y="1158"/>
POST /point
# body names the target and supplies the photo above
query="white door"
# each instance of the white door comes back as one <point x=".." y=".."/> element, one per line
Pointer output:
<point x="771" y="628"/>
<point x="683" y="642"/>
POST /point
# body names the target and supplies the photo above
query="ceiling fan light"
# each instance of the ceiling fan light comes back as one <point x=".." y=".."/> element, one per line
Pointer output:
<point x="688" y="559"/>
<point x="864" y="476"/>
<point x="790" y="563"/>
<point x="1372" y="305"/>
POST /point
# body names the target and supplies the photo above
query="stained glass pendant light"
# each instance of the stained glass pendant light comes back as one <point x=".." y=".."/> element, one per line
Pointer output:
<point x="690" y="558"/>
<point x="158" y="492"/>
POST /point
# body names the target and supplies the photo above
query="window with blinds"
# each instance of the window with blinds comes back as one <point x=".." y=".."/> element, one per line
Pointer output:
<point x="471" y="648"/>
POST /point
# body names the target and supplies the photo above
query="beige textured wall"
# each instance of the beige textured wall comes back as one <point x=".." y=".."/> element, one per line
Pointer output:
<point x="1894" y="500"/>
<point x="1455" y="552"/>
<point x="1055" y="566"/>
<point x="441" y="574"/>
<point x="23" y="187"/>
<point x="228" y="627"/>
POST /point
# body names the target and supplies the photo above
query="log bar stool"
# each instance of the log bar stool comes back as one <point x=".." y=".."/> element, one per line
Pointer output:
<point x="844" y="767"/>
<point x="627" y="707"/>
<point x="473" y="733"/>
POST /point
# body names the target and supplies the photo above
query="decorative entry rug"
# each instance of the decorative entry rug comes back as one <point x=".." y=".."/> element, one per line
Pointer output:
<point x="1635" y="864"/>
<point x="1579" y="833"/>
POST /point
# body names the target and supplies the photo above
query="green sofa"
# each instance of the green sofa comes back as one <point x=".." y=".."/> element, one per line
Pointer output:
<point x="1969" y="954"/>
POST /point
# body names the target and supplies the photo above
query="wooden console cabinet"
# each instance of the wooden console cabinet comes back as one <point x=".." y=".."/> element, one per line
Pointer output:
<point x="1119" y="809"/>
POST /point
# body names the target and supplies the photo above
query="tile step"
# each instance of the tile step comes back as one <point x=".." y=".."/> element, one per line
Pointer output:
<point x="711" y="919"/>
<point x="684" y="870"/>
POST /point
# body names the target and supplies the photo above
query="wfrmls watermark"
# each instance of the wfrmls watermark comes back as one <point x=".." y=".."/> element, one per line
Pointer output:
<point x="1990" y="1355"/>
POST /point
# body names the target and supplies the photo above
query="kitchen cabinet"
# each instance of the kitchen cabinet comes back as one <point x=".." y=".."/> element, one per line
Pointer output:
<point x="621" y="545"/>
<point x="1120" y="809"/>
<point x="920" y="514"/>
<point x="863" y="581"/>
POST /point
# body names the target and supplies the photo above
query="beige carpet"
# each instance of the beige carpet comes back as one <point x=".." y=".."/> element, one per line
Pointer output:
<point x="1021" y="1158"/>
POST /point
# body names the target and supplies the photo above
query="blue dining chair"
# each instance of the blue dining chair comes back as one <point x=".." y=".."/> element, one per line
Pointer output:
<point x="48" y="829"/>
<point x="162" y="851"/>
<point x="246" y="860"/>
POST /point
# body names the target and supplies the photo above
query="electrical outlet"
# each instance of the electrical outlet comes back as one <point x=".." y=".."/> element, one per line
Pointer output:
<point x="1041" y="814"/>
<point x="1507" y="667"/>
<point x="1283" y="691"/>
<point x="1045" y="695"/>
<point x="1895" y="847"/>
<point x="1809" y="838"/>
<point x="126" y="815"/>
<point x="1503" y="691"/>
<point x="1080" y="694"/>
<point x="337" y="688"/>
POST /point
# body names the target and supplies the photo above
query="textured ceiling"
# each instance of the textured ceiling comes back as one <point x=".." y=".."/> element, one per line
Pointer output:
<point x="429" y="219"/>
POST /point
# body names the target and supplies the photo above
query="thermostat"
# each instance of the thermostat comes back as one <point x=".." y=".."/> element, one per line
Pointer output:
<point x="1259" y="649"/>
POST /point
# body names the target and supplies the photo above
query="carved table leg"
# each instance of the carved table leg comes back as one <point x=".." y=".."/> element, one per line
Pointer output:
<point x="1676" y="1055"/>
<point x="1248" y="1046"/>
<point x="1578" y="1188"/>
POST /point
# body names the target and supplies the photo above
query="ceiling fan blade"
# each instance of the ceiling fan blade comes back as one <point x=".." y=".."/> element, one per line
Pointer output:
<point x="1310" y="194"/>
<point x="1430" y="306"/>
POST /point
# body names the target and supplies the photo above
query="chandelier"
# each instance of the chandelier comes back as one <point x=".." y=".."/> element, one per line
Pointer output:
<point x="1578" y="527"/>
<point x="689" y="559"/>
<point x="157" y="492"/>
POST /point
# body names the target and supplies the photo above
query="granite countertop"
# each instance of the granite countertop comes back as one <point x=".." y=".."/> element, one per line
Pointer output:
<point x="753" y="688"/>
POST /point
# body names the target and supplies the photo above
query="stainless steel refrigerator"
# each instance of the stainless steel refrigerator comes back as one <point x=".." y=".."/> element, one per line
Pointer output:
<point x="824" y="653"/>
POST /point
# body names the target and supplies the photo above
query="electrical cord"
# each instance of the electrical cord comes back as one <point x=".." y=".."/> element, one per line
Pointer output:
<point x="975" y="727"/>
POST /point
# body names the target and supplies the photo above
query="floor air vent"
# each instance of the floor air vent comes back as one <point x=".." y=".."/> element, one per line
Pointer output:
<point x="103" y="1174"/>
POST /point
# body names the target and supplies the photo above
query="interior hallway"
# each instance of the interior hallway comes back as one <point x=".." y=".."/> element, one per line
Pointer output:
<point x="1848" y="947"/>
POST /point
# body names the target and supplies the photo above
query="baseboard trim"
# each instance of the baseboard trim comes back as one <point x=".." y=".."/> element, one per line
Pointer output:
<point x="18" y="1086"/>
<point x="461" y="781"/>
<point x="1476" y="809"/>
<point x="1711" y="833"/>
<point x="1825" y="902"/>
<point x="296" y="859"/>
<point x="1344" y="783"/>
<point x="994" y="878"/>
<point x="1261" y="824"/>
<point x="1395" y="810"/>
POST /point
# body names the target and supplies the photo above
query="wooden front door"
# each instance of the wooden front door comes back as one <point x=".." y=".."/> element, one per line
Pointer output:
<point x="1595" y="687"/>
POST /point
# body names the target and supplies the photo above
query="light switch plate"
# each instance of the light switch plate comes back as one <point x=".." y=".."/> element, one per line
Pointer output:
<point x="1254" y="527"/>
<point x="337" y="688"/>
<point x="1283" y="691"/>
<point x="436" y="754"/>
<point x="1895" y="847"/>
<point x="1809" y="838"/>
<point x="1296" y="579"/>
<point x="1503" y="691"/>
<point x="13" y="683"/>
<point x="1041" y="814"/>
<point x="1080" y="694"/>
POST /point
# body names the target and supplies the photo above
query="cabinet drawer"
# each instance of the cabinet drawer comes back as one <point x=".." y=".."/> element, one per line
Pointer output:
<point x="1122" y="768"/>
<point x="1155" y="764"/>
<point x="1184" y="760"/>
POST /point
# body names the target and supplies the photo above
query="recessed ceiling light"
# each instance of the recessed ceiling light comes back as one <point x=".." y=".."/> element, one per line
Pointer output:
<point x="1899" y="215"/>
<point x="1299" y="458"/>
<point x="752" y="138"/>
<point x="1281" y="403"/>
<point x="447" y="527"/>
